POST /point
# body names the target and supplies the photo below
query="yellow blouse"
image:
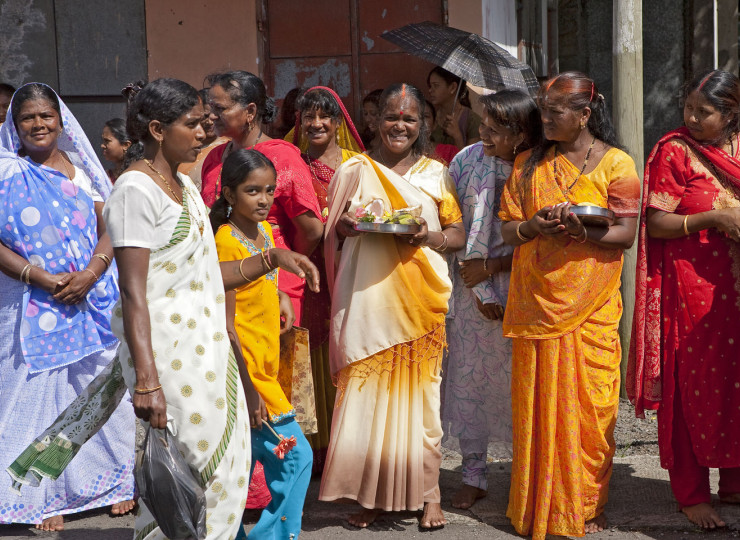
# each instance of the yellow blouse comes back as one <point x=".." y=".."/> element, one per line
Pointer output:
<point x="257" y="320"/>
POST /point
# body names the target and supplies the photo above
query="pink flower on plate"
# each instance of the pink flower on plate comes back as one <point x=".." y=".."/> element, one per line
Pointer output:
<point x="360" y="212"/>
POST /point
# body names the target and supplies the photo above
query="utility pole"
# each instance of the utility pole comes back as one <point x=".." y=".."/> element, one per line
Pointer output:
<point x="628" y="121"/>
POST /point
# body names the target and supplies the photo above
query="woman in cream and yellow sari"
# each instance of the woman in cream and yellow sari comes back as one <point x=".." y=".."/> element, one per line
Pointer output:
<point x="326" y="136"/>
<point x="563" y="311"/>
<point x="384" y="450"/>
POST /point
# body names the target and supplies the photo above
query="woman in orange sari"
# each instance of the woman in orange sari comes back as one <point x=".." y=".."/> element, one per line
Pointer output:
<point x="563" y="311"/>
<point x="684" y="338"/>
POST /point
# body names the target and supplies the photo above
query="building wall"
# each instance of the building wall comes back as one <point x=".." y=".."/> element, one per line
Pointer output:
<point x="466" y="15"/>
<point x="86" y="55"/>
<point x="188" y="39"/>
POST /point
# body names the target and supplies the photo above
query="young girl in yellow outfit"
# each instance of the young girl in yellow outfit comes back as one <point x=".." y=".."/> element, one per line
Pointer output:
<point x="254" y="322"/>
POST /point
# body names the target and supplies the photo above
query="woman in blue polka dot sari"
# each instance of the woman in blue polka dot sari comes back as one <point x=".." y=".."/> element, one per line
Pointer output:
<point x="58" y="290"/>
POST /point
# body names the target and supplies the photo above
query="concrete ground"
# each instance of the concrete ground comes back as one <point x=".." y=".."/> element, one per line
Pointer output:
<point x="640" y="507"/>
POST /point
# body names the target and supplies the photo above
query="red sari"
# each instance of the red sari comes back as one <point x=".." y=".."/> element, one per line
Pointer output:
<point x="294" y="195"/>
<point x="685" y="345"/>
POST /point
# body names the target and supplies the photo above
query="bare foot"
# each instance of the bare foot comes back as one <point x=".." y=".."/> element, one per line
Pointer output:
<point x="122" y="508"/>
<point x="433" y="517"/>
<point x="596" y="524"/>
<point x="466" y="496"/>
<point x="55" y="523"/>
<point x="703" y="515"/>
<point x="364" y="518"/>
<point x="731" y="499"/>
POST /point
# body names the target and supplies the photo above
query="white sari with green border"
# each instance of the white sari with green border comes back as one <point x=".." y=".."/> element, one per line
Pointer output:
<point x="200" y="378"/>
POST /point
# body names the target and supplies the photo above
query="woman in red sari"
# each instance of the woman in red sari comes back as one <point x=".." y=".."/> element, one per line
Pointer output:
<point x="240" y="103"/>
<point x="685" y="345"/>
<point x="326" y="136"/>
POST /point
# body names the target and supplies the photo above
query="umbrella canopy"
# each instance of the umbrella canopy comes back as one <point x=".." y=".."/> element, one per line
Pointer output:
<point x="469" y="56"/>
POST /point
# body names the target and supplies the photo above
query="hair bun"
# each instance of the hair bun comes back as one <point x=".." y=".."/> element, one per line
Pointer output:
<point x="131" y="89"/>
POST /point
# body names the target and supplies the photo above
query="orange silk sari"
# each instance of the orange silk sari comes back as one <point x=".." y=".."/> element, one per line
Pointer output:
<point x="563" y="312"/>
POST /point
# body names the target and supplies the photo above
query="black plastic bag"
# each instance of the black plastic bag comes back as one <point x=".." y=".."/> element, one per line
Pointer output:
<point x="168" y="488"/>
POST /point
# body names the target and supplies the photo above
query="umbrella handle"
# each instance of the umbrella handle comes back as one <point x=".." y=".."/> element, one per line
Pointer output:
<point x="457" y="96"/>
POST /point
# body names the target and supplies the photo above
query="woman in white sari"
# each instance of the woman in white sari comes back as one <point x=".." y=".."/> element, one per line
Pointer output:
<point x="386" y="417"/>
<point x="175" y="355"/>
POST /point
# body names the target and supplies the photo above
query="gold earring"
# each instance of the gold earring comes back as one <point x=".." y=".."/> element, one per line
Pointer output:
<point x="515" y="147"/>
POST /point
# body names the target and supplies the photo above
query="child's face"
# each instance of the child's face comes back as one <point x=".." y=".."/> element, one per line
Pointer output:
<point x="253" y="198"/>
<point x="498" y="140"/>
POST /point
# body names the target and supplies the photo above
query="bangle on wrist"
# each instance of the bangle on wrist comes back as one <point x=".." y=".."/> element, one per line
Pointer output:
<point x="147" y="390"/>
<point x="520" y="234"/>
<point x="241" y="271"/>
<point x="269" y="260"/>
<point x="25" y="275"/>
<point x="106" y="260"/>
<point x="440" y="248"/>
<point x="97" y="277"/>
<point x="576" y="237"/>
<point x="686" y="225"/>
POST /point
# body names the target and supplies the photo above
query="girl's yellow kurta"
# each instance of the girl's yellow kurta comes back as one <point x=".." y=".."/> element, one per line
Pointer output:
<point x="257" y="320"/>
<point x="563" y="313"/>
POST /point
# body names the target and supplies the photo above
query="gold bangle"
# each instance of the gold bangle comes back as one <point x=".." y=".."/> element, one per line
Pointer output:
<point x="686" y="225"/>
<point x="103" y="257"/>
<point x="264" y="260"/>
<point x="97" y="277"/>
<point x="585" y="237"/>
<point x="441" y="247"/>
<point x="146" y="390"/>
<point x="242" y="272"/>
<point x="519" y="233"/>
<point x="25" y="276"/>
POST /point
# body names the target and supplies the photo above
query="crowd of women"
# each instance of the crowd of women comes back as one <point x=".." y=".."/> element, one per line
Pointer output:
<point x="166" y="296"/>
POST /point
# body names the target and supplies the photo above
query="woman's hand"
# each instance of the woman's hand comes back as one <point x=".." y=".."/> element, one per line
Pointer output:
<point x="287" y="314"/>
<point x="420" y="238"/>
<point x="51" y="283"/>
<point x="256" y="408"/>
<point x="151" y="408"/>
<point x="473" y="271"/>
<point x="346" y="226"/>
<point x="728" y="221"/>
<point x="74" y="287"/>
<point x="451" y="126"/>
<point x="297" y="264"/>
<point x="569" y="222"/>
<point x="541" y="223"/>
<point x="493" y="311"/>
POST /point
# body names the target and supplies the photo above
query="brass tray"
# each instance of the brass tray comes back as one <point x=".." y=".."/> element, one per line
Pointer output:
<point x="387" y="228"/>
<point x="594" y="215"/>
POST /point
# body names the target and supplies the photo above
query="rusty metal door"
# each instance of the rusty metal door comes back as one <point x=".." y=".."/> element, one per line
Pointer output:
<point x="337" y="43"/>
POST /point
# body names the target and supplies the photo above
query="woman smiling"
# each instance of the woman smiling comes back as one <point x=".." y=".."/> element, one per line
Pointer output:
<point x="386" y="416"/>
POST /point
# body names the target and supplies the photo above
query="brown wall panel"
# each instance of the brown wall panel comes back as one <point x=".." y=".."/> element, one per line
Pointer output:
<point x="188" y="39"/>
<point x="377" y="17"/>
<point x="381" y="70"/>
<point x="288" y="73"/>
<point x="309" y="28"/>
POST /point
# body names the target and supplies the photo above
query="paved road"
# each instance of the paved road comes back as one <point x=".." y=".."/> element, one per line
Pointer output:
<point x="640" y="507"/>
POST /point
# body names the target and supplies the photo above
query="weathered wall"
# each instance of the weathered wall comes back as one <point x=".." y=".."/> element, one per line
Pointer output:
<point x="188" y="39"/>
<point x="466" y="15"/>
<point x="87" y="55"/>
<point x="664" y="67"/>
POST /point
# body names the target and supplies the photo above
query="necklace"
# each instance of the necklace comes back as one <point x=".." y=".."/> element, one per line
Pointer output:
<point x="383" y="160"/>
<point x="69" y="176"/>
<point x="312" y="167"/>
<point x="259" y="231"/>
<point x="583" y="168"/>
<point x="182" y="202"/>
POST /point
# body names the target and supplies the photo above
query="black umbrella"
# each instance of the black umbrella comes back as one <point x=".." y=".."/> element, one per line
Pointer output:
<point x="469" y="56"/>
